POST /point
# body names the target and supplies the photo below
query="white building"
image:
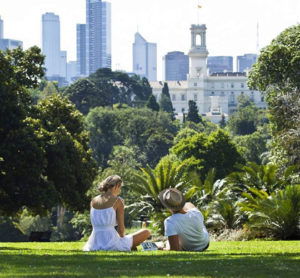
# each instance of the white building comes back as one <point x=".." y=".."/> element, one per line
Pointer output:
<point x="51" y="43"/>
<point x="214" y="94"/>
<point x="144" y="58"/>
<point x="7" y="43"/>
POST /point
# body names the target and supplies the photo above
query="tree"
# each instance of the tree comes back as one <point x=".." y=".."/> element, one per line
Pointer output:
<point x="119" y="87"/>
<point x="165" y="102"/>
<point x="193" y="114"/>
<point x="151" y="132"/>
<point x="39" y="143"/>
<point x="222" y="123"/>
<point x="276" y="73"/>
<point x="152" y="104"/>
<point x="253" y="145"/>
<point x="200" y="153"/>
<point x="20" y="144"/>
<point x="70" y="166"/>
<point x="84" y="94"/>
<point x="150" y="182"/>
<point x="246" y="119"/>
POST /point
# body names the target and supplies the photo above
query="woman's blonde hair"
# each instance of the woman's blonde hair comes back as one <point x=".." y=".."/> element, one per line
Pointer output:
<point x="109" y="182"/>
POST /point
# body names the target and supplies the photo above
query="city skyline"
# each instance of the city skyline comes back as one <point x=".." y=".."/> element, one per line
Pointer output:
<point x="231" y="24"/>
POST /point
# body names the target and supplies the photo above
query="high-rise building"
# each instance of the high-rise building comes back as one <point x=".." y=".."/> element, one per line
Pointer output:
<point x="72" y="71"/>
<point x="219" y="64"/>
<point x="175" y="66"/>
<point x="51" y="43"/>
<point x="63" y="64"/>
<point x="81" y="49"/>
<point x="245" y="62"/>
<point x="7" y="43"/>
<point x="98" y="35"/>
<point x="1" y="28"/>
<point x="10" y="44"/>
<point x="144" y="58"/>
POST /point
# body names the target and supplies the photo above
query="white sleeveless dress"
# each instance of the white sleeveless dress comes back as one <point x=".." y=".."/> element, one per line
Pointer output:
<point x="104" y="235"/>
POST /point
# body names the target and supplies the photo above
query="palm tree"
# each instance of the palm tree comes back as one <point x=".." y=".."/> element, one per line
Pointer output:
<point x="261" y="177"/>
<point x="150" y="182"/>
<point x="277" y="214"/>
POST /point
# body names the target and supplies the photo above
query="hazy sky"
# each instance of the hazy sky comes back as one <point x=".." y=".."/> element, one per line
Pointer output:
<point x="231" y="24"/>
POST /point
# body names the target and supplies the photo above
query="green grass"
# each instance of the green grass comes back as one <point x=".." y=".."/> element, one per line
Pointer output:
<point x="222" y="259"/>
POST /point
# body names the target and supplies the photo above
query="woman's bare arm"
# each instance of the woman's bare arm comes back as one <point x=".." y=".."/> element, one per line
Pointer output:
<point x="120" y="218"/>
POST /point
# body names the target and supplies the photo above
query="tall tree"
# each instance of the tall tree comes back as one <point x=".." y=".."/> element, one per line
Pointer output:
<point x="200" y="153"/>
<point x="85" y="95"/>
<point x="39" y="143"/>
<point x="152" y="104"/>
<point x="276" y="72"/>
<point x="165" y="102"/>
<point x="193" y="113"/>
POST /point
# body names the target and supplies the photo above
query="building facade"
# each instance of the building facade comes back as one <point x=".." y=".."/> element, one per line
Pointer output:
<point x="51" y="44"/>
<point x="98" y="35"/>
<point x="7" y="43"/>
<point x="245" y="62"/>
<point x="215" y="94"/>
<point x="219" y="64"/>
<point x="81" y="49"/>
<point x="144" y="58"/>
<point x="175" y="66"/>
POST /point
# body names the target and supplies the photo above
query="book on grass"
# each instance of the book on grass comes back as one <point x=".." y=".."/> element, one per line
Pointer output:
<point x="149" y="246"/>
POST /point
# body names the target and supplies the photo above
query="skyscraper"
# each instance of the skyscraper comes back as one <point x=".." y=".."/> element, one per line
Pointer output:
<point x="175" y="66"/>
<point x="1" y="28"/>
<point x="7" y="43"/>
<point x="81" y="49"/>
<point x="98" y="35"/>
<point x="220" y="64"/>
<point x="245" y="62"/>
<point x="51" y="43"/>
<point x="144" y="58"/>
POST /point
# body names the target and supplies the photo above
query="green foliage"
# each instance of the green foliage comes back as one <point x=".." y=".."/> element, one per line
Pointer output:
<point x="253" y="145"/>
<point x="165" y="102"/>
<point x="278" y="62"/>
<point x="9" y="232"/>
<point x="246" y="119"/>
<point x="276" y="72"/>
<point x="44" y="148"/>
<point x="222" y="123"/>
<point x="85" y="95"/>
<point x="225" y="213"/>
<point x="277" y="214"/>
<point x="259" y="177"/>
<point x="150" y="132"/>
<point x="119" y="87"/>
<point x="193" y="113"/>
<point x="70" y="167"/>
<point x="201" y="153"/>
<point x="152" y="104"/>
<point x="150" y="182"/>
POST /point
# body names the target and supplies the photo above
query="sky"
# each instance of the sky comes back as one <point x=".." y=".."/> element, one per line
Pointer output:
<point x="231" y="24"/>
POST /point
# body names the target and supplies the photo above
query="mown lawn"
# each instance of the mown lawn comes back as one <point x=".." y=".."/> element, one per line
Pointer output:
<point x="222" y="259"/>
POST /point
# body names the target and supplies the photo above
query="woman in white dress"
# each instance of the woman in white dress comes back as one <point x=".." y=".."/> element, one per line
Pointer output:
<point x="107" y="211"/>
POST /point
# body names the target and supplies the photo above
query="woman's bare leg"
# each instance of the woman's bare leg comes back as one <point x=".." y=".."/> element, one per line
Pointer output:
<point x="138" y="237"/>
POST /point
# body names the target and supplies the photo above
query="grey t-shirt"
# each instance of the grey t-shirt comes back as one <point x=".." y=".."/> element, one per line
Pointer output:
<point x="190" y="228"/>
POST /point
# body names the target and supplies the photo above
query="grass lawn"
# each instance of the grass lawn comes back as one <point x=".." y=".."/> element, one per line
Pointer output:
<point x="222" y="259"/>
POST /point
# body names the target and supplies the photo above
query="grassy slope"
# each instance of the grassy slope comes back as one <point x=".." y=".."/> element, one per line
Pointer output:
<point x="222" y="259"/>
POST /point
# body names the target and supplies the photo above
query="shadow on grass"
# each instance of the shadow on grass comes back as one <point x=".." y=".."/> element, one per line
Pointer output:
<point x="103" y="264"/>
